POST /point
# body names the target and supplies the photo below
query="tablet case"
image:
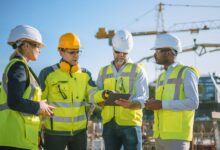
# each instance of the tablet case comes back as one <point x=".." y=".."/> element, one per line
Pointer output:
<point x="115" y="96"/>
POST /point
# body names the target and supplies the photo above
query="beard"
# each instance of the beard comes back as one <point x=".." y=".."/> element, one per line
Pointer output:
<point x="120" y="61"/>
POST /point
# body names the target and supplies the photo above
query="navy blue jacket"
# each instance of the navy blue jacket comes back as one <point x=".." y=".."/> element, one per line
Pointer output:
<point x="17" y="83"/>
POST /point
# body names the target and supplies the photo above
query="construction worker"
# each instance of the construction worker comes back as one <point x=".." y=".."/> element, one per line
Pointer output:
<point x="122" y="123"/>
<point x="20" y="95"/>
<point x="176" y="97"/>
<point x="69" y="88"/>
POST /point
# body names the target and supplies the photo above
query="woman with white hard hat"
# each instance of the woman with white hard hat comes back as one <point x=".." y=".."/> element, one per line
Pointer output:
<point x="20" y="96"/>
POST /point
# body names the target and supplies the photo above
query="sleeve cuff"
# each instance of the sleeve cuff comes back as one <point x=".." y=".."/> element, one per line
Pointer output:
<point x="166" y="104"/>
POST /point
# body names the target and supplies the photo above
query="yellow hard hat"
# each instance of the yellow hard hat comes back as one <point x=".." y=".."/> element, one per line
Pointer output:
<point x="69" y="41"/>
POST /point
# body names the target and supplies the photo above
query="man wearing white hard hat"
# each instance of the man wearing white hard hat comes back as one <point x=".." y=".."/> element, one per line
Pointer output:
<point x="122" y="121"/>
<point x="176" y="97"/>
<point x="20" y="96"/>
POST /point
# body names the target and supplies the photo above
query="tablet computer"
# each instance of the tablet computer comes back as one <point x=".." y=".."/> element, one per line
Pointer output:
<point x="116" y="96"/>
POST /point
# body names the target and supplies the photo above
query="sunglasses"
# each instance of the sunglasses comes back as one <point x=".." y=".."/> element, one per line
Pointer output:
<point x="117" y="52"/>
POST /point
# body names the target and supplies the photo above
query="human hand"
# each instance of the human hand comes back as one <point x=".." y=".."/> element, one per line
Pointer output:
<point x="106" y="94"/>
<point x="124" y="103"/>
<point x="153" y="104"/>
<point x="128" y="104"/>
<point x="45" y="109"/>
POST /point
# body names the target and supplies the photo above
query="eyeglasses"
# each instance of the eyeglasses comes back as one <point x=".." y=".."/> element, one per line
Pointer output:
<point x="34" y="45"/>
<point x="73" y="52"/>
<point x="117" y="52"/>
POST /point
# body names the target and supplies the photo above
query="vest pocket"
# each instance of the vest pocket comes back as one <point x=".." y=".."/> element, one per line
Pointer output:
<point x="31" y="133"/>
<point x="172" y="121"/>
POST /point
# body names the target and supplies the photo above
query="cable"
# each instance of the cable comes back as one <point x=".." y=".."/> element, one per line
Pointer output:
<point x="182" y="5"/>
<point x="141" y="16"/>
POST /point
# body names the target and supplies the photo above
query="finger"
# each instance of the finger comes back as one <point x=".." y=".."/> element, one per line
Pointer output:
<point x="49" y="111"/>
<point x="51" y="107"/>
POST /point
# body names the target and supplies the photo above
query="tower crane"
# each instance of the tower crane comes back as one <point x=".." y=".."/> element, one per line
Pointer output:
<point x="209" y="98"/>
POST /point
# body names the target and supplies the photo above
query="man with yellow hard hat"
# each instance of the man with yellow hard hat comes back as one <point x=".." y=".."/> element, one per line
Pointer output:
<point x="70" y="88"/>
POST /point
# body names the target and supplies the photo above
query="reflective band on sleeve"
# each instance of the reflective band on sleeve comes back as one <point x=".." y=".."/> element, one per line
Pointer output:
<point x="92" y="92"/>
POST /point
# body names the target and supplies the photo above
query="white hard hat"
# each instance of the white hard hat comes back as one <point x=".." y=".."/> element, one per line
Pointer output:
<point x="122" y="41"/>
<point x="25" y="32"/>
<point x="167" y="40"/>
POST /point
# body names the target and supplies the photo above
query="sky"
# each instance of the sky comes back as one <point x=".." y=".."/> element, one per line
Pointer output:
<point x="83" y="17"/>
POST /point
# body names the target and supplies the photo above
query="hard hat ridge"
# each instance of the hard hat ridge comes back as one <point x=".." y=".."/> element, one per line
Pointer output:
<point x="122" y="41"/>
<point x="22" y="32"/>
<point x="167" y="41"/>
<point x="69" y="41"/>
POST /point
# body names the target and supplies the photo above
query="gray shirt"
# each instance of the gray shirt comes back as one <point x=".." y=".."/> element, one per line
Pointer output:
<point x="141" y="85"/>
<point x="190" y="85"/>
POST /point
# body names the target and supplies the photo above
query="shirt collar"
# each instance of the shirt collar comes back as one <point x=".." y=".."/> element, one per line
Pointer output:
<point x="170" y="67"/>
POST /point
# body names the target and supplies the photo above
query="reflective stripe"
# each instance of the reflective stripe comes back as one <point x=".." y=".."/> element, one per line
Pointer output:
<point x="55" y="67"/>
<point x="131" y="77"/>
<point x="92" y="92"/>
<point x="130" y="74"/>
<point x="179" y="81"/>
<point x="159" y="81"/>
<point x="69" y="119"/>
<point x="78" y="104"/>
<point x="3" y="107"/>
<point x="109" y="75"/>
<point x="60" y="104"/>
<point x="68" y="104"/>
<point x="104" y="73"/>
<point x="170" y="81"/>
<point x="80" y="118"/>
<point x="62" y="119"/>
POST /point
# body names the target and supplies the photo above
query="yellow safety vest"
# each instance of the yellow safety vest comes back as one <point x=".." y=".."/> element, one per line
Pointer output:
<point x="19" y="129"/>
<point x="169" y="124"/>
<point x="125" y="83"/>
<point x="69" y="93"/>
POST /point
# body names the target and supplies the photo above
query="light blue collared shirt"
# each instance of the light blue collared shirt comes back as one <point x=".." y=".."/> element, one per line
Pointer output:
<point x="141" y="85"/>
<point x="190" y="85"/>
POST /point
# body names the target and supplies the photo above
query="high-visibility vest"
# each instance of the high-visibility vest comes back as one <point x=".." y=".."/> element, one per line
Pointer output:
<point x="19" y="129"/>
<point x="124" y="83"/>
<point x="70" y="93"/>
<point x="170" y="124"/>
